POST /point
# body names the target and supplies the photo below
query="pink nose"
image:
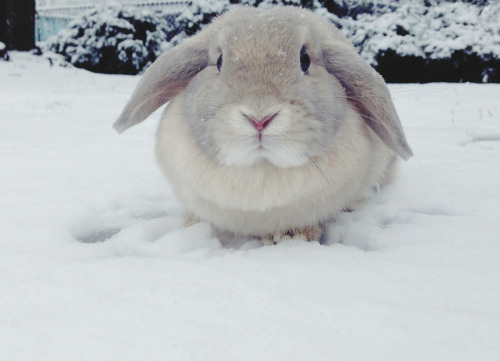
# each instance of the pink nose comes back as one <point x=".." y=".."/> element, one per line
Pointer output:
<point x="261" y="124"/>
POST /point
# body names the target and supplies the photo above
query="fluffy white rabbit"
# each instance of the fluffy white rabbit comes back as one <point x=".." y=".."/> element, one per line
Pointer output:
<point x="274" y="126"/>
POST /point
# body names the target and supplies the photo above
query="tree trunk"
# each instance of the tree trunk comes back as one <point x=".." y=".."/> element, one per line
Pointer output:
<point x="17" y="24"/>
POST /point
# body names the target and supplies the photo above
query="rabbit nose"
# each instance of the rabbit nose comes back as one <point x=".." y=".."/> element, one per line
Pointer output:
<point x="260" y="124"/>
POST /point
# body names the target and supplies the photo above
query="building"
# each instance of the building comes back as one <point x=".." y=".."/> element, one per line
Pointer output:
<point x="54" y="15"/>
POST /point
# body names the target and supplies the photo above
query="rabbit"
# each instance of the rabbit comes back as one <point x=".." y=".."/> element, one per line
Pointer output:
<point x="274" y="124"/>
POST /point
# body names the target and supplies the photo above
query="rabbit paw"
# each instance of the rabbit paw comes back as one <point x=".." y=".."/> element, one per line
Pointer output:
<point x="189" y="220"/>
<point x="307" y="233"/>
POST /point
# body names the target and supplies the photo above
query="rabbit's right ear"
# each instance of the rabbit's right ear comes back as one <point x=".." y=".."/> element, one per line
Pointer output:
<point x="168" y="75"/>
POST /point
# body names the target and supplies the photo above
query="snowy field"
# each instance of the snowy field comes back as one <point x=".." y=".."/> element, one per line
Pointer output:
<point x="94" y="264"/>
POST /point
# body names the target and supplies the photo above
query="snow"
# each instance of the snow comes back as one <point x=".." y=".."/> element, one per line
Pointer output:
<point x="94" y="263"/>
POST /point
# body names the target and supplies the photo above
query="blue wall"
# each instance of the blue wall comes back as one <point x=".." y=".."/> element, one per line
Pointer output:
<point x="46" y="26"/>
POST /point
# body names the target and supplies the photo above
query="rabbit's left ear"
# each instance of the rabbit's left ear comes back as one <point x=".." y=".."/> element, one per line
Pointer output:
<point x="367" y="91"/>
<point x="163" y="80"/>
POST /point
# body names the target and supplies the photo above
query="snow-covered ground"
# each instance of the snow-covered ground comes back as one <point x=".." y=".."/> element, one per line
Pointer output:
<point x="94" y="264"/>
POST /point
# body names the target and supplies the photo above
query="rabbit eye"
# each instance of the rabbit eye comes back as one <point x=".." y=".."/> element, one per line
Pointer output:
<point x="219" y="62"/>
<point x="305" y="60"/>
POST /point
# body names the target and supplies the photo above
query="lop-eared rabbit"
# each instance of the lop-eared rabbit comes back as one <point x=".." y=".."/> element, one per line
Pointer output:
<point x="274" y="123"/>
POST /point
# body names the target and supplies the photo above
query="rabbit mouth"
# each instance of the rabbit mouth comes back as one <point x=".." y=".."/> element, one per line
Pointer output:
<point x="261" y="149"/>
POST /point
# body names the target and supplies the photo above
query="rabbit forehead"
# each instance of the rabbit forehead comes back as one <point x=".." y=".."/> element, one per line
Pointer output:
<point x="252" y="33"/>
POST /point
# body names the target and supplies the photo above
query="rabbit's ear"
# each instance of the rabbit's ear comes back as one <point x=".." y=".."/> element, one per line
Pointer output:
<point x="168" y="76"/>
<point x="367" y="91"/>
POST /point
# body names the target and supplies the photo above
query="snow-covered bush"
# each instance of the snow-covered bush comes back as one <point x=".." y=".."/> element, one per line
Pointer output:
<point x="113" y="40"/>
<point x="406" y="41"/>
<point x="353" y="8"/>
<point x="3" y="51"/>
<point x="418" y="43"/>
